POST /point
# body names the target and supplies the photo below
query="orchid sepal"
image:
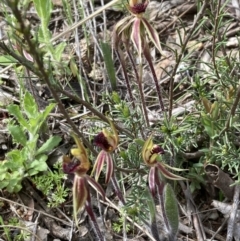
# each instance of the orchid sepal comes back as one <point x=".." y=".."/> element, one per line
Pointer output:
<point x="151" y="180"/>
<point x="96" y="186"/>
<point x="168" y="174"/>
<point x="80" y="193"/>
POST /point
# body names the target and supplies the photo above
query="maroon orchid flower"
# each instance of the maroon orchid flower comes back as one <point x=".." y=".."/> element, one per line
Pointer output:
<point x="137" y="6"/>
<point x="108" y="141"/>
<point x="151" y="154"/>
<point x="79" y="165"/>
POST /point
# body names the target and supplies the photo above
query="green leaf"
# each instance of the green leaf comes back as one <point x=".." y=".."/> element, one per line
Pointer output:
<point x="38" y="165"/>
<point x="7" y="60"/>
<point x="17" y="134"/>
<point x="47" y="111"/>
<point x="59" y="50"/>
<point x="151" y="206"/>
<point x="15" y="111"/>
<point x="44" y="10"/>
<point x="30" y="106"/>
<point x="36" y="123"/>
<point x="14" y="160"/>
<point x="4" y="175"/>
<point x="171" y="209"/>
<point x="49" y="145"/>
<point x="107" y="56"/>
<point x="208" y="124"/>
<point x="14" y="185"/>
<point x="29" y="150"/>
<point x="4" y="184"/>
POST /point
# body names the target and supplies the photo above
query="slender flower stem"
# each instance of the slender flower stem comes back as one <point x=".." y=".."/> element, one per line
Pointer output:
<point x="120" y="57"/>
<point x="91" y="214"/>
<point x="140" y="88"/>
<point x="150" y="63"/>
<point x="117" y="189"/>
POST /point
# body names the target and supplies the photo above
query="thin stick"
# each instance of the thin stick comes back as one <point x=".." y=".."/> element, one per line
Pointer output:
<point x="232" y="218"/>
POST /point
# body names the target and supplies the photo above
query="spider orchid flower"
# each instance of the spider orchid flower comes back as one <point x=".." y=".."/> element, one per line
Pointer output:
<point x="137" y="31"/>
<point x="79" y="165"/>
<point x="136" y="28"/>
<point x="108" y="141"/>
<point x="151" y="154"/>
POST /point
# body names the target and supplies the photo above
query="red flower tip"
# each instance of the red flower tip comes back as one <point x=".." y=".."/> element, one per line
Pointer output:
<point x="101" y="141"/>
<point x="137" y="7"/>
<point x="70" y="166"/>
<point x="157" y="149"/>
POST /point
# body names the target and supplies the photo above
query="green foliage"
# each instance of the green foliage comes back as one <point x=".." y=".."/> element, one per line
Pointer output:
<point x="5" y="229"/>
<point x="171" y="209"/>
<point x="28" y="158"/>
<point x="44" y="9"/>
<point x="107" y="55"/>
<point x="210" y="127"/>
<point x="51" y="185"/>
<point x="118" y="226"/>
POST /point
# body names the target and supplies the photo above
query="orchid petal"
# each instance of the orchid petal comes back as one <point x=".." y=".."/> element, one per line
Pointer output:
<point x="151" y="180"/>
<point x="80" y="146"/>
<point x="96" y="186"/>
<point x="146" y="150"/>
<point x="99" y="164"/>
<point x="28" y="56"/>
<point x="136" y="35"/>
<point x="110" y="167"/>
<point x="168" y="174"/>
<point x="116" y="137"/>
<point x="174" y="168"/>
<point x="152" y="34"/>
<point x="81" y="154"/>
<point x="68" y="165"/>
<point x="80" y="194"/>
<point x="129" y="20"/>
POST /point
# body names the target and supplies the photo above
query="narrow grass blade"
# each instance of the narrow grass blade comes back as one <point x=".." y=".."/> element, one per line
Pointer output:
<point x="106" y="49"/>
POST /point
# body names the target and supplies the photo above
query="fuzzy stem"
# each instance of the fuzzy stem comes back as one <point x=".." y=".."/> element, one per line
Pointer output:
<point x="117" y="189"/>
<point x="91" y="214"/>
<point x="140" y="88"/>
<point x="120" y="57"/>
<point x="148" y="57"/>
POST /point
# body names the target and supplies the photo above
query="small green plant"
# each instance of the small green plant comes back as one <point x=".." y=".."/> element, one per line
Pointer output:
<point x="119" y="225"/>
<point x="50" y="184"/>
<point x="29" y="157"/>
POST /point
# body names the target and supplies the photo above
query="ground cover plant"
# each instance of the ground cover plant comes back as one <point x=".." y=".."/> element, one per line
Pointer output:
<point x="120" y="120"/>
